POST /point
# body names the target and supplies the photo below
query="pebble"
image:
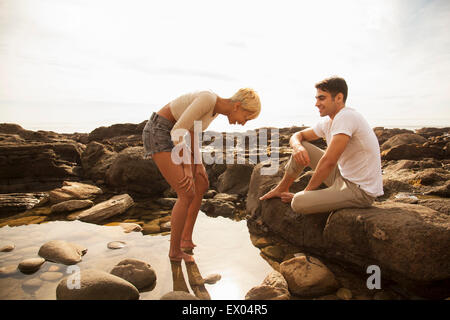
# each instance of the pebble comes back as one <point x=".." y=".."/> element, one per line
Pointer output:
<point x="7" y="248"/>
<point x="166" y="226"/>
<point x="51" y="276"/>
<point x="32" y="284"/>
<point x="381" y="295"/>
<point x="31" y="265"/>
<point x="54" y="268"/>
<point x="212" y="278"/>
<point x="116" y="245"/>
<point x="344" y="294"/>
<point x="8" y="270"/>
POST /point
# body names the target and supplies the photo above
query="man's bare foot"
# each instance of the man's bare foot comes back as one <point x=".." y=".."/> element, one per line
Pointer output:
<point x="274" y="193"/>
<point x="181" y="256"/>
<point x="286" y="197"/>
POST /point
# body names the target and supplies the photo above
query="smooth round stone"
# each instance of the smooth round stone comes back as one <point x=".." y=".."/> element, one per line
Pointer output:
<point x="344" y="294"/>
<point x="212" y="278"/>
<point x="31" y="265"/>
<point x="51" y="276"/>
<point x="7" y="247"/>
<point x="116" y="245"/>
<point x="8" y="270"/>
<point x="166" y="226"/>
<point x="54" y="268"/>
<point x="32" y="284"/>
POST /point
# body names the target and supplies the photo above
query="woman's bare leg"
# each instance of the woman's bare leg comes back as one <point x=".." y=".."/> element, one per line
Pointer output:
<point x="201" y="186"/>
<point x="174" y="174"/>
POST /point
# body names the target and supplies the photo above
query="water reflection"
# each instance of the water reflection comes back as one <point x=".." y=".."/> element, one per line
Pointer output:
<point x="223" y="247"/>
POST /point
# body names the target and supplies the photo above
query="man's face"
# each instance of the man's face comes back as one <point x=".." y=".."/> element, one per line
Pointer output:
<point x="325" y="103"/>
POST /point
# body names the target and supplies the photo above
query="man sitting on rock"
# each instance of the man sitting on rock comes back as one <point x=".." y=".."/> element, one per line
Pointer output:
<point x="350" y="166"/>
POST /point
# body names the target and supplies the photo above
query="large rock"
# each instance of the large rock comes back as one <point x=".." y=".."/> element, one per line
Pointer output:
<point x="104" y="210"/>
<point x="403" y="239"/>
<point x="96" y="160"/>
<point x="401" y="139"/>
<point x="235" y="179"/>
<point x="408" y="242"/>
<point x="132" y="173"/>
<point x="120" y="129"/>
<point x="15" y="202"/>
<point x="308" y="277"/>
<point x="413" y="152"/>
<point x="215" y="207"/>
<point x="95" y="285"/>
<point x="73" y="190"/>
<point x="61" y="251"/>
<point x="274" y="287"/>
<point x="38" y="166"/>
<point x="137" y="272"/>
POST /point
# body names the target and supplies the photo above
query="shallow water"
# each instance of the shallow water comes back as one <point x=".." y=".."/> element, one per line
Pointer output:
<point x="223" y="247"/>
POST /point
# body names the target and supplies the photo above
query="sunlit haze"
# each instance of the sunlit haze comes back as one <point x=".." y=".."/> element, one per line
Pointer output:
<point x="74" y="65"/>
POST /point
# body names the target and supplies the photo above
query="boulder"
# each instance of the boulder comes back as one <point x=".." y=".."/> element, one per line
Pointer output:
<point x="274" y="287"/>
<point x="96" y="160"/>
<point x="401" y="139"/>
<point x="38" y="166"/>
<point x="95" y="285"/>
<point x="137" y="272"/>
<point x="308" y="277"/>
<point x="104" y="210"/>
<point x="215" y="208"/>
<point x="71" y="205"/>
<point x="413" y="152"/>
<point x="132" y="173"/>
<point x="120" y="129"/>
<point x="73" y="190"/>
<point x="61" y="251"/>
<point x="235" y="179"/>
<point x="407" y="241"/>
<point x="16" y="202"/>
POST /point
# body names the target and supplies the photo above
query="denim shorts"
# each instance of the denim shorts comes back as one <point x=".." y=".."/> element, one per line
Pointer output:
<point x="156" y="136"/>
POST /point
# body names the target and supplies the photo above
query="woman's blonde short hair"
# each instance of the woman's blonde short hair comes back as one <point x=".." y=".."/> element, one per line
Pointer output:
<point x="249" y="101"/>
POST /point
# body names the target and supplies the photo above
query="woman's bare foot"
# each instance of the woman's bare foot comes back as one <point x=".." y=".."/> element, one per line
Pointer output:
<point x="181" y="256"/>
<point x="286" y="197"/>
<point x="274" y="193"/>
<point x="187" y="244"/>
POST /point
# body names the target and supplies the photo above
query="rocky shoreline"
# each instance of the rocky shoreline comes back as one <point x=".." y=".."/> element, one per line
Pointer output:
<point x="102" y="178"/>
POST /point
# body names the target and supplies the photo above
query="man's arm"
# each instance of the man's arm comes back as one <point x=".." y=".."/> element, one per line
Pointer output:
<point x="299" y="153"/>
<point x="328" y="161"/>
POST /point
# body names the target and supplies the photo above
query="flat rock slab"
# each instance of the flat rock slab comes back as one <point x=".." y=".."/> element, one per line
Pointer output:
<point x="73" y="190"/>
<point x="71" y="205"/>
<point x="92" y="284"/>
<point x="104" y="210"/>
<point x="61" y="251"/>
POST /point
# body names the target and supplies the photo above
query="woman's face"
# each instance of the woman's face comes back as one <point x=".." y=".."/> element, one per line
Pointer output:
<point x="239" y="116"/>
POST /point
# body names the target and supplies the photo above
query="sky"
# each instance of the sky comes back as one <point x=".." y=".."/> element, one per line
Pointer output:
<point x="75" y="65"/>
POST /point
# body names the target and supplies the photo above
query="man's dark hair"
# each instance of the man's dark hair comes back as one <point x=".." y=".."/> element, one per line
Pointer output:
<point x="333" y="85"/>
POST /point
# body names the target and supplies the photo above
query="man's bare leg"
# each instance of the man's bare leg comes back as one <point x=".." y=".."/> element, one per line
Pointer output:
<point x="281" y="190"/>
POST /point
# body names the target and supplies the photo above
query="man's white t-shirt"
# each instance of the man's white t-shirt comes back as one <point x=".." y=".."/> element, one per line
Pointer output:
<point x="360" y="162"/>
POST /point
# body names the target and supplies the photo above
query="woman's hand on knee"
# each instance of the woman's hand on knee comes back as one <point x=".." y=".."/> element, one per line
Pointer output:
<point x="187" y="182"/>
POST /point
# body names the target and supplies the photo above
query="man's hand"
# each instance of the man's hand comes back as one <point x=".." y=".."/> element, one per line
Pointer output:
<point x="300" y="155"/>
